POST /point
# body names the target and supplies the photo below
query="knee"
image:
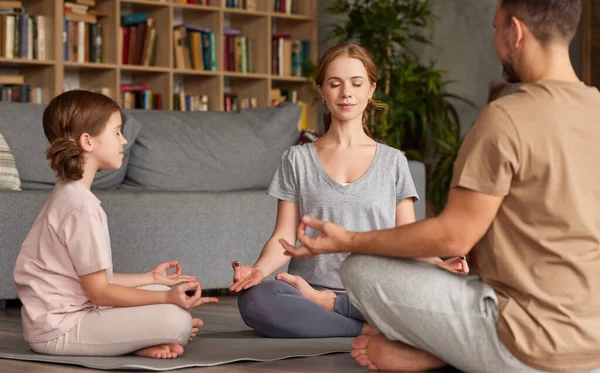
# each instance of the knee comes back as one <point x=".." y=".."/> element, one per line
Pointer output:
<point x="257" y="303"/>
<point x="352" y="273"/>
<point x="177" y="323"/>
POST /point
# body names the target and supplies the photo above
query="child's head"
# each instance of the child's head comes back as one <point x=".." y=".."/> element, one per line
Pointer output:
<point x="346" y="79"/>
<point x="84" y="129"/>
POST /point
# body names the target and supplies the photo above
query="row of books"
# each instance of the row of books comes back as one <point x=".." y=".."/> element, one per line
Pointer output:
<point x="238" y="51"/>
<point x="14" y="89"/>
<point x="289" y="57"/>
<point x="285" y="6"/>
<point x="82" y="41"/>
<point x="183" y="102"/>
<point x="231" y="102"/>
<point x="139" y="38"/>
<point x="242" y="4"/>
<point x="139" y="97"/>
<point x="21" y="35"/>
<point x="195" y="48"/>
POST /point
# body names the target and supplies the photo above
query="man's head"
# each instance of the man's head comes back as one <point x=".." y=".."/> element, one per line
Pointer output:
<point x="526" y="26"/>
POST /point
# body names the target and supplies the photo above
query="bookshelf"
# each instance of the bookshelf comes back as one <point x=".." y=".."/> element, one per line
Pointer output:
<point x="54" y="75"/>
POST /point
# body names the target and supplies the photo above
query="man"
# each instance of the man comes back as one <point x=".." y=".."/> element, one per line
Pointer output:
<point x="526" y="190"/>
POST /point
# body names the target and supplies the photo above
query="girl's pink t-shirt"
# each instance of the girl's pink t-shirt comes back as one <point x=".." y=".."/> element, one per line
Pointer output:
<point x="68" y="239"/>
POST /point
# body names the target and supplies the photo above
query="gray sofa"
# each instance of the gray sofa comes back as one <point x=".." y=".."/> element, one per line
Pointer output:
<point x="192" y="188"/>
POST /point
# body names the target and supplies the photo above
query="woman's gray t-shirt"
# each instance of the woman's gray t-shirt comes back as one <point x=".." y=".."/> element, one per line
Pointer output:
<point x="367" y="204"/>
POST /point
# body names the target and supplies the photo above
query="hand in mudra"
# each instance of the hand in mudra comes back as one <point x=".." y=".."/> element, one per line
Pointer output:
<point x="245" y="277"/>
<point x="160" y="276"/>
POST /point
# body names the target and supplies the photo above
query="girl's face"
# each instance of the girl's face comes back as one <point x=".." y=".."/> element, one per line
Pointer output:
<point x="346" y="88"/>
<point x="108" y="145"/>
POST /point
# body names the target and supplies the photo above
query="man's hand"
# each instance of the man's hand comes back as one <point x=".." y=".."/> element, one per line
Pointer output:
<point x="159" y="274"/>
<point x="457" y="265"/>
<point x="332" y="238"/>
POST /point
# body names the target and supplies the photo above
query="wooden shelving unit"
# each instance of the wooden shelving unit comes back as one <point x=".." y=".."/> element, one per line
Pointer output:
<point x="163" y="78"/>
<point x="590" y="40"/>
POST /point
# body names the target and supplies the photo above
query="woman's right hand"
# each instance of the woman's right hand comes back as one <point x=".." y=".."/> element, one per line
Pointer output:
<point x="245" y="277"/>
<point x="178" y="296"/>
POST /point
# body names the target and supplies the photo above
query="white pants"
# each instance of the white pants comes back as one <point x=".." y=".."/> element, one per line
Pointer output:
<point x="122" y="330"/>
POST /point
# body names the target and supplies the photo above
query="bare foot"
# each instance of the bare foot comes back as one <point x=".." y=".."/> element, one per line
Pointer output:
<point x="324" y="298"/>
<point x="376" y="352"/>
<point x="161" y="351"/>
<point x="369" y="329"/>
<point x="196" y="325"/>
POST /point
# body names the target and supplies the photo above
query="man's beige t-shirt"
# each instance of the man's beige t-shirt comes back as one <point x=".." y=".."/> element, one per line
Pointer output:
<point x="68" y="239"/>
<point x="540" y="148"/>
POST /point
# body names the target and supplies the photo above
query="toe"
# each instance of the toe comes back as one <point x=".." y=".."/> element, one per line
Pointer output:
<point x="361" y="342"/>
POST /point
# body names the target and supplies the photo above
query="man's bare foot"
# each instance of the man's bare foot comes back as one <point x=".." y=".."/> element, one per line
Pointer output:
<point x="376" y="352"/>
<point x="196" y="325"/>
<point x="161" y="351"/>
<point x="324" y="298"/>
<point x="369" y="329"/>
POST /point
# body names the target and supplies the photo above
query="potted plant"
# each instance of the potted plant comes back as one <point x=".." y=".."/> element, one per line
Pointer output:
<point x="421" y="118"/>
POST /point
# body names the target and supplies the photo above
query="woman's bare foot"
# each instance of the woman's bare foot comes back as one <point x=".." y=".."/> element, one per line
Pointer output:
<point x="369" y="329"/>
<point x="324" y="298"/>
<point x="376" y="352"/>
<point x="196" y="325"/>
<point x="161" y="351"/>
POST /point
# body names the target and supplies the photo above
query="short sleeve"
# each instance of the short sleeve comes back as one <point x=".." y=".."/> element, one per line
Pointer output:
<point x="405" y="186"/>
<point x="490" y="154"/>
<point x="283" y="186"/>
<point x="85" y="235"/>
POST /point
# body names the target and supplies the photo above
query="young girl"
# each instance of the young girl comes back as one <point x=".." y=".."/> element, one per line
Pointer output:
<point x="73" y="304"/>
<point x="345" y="177"/>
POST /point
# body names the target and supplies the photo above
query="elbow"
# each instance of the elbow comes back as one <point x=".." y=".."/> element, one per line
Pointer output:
<point x="458" y="248"/>
<point x="454" y="241"/>
<point x="97" y="298"/>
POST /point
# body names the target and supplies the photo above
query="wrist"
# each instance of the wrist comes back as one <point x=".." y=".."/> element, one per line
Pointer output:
<point x="149" y="278"/>
<point x="262" y="273"/>
<point x="353" y="243"/>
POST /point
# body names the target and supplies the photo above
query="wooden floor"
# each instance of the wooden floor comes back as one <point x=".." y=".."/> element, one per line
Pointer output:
<point x="222" y="317"/>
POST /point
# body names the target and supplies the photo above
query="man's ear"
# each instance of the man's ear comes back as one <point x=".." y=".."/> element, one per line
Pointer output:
<point x="85" y="142"/>
<point x="518" y="32"/>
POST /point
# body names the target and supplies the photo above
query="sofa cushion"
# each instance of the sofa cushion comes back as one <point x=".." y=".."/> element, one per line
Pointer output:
<point x="210" y="151"/>
<point x="9" y="175"/>
<point x="21" y="125"/>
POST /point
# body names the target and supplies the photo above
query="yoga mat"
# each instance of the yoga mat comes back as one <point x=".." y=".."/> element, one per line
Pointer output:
<point x="206" y="350"/>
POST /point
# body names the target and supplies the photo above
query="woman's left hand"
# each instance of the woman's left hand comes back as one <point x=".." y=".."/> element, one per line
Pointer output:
<point x="457" y="265"/>
<point x="160" y="276"/>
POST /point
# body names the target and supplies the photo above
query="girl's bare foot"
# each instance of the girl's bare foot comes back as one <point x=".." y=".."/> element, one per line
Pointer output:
<point x="376" y="352"/>
<point x="369" y="329"/>
<point x="161" y="351"/>
<point x="324" y="298"/>
<point x="196" y="325"/>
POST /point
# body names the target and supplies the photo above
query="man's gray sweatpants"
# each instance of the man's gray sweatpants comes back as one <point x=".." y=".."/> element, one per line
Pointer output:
<point x="448" y="315"/>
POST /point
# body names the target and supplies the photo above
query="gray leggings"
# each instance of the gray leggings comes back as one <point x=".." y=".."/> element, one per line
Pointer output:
<point x="276" y="309"/>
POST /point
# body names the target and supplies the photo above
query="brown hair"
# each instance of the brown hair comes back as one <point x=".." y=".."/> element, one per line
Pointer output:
<point x="547" y="19"/>
<point x="353" y="51"/>
<point x="67" y="117"/>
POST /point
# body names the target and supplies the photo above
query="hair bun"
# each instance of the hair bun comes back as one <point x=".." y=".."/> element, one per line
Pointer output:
<point x="65" y="158"/>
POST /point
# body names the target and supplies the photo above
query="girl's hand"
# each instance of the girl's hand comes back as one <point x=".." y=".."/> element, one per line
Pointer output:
<point x="457" y="265"/>
<point x="159" y="274"/>
<point x="245" y="277"/>
<point x="178" y="296"/>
